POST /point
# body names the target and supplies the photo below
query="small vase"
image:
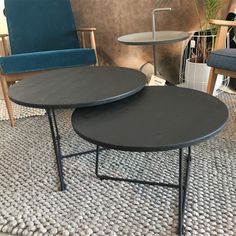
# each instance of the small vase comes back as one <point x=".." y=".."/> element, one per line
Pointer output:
<point x="197" y="75"/>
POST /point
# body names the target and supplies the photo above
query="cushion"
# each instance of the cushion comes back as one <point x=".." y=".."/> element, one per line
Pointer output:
<point x="40" y="25"/>
<point x="223" y="59"/>
<point x="47" y="60"/>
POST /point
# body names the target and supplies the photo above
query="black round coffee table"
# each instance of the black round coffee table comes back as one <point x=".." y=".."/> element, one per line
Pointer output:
<point x="156" y="119"/>
<point x="77" y="87"/>
<point x="72" y="88"/>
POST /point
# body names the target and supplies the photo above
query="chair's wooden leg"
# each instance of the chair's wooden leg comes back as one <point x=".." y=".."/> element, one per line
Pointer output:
<point x="7" y="100"/>
<point x="211" y="81"/>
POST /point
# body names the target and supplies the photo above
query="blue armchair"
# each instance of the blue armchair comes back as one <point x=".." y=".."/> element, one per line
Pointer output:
<point x="222" y="60"/>
<point x="42" y="36"/>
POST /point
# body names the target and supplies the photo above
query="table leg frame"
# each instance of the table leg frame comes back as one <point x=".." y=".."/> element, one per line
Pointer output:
<point x="56" y="145"/>
<point x="56" y="139"/>
<point x="182" y="186"/>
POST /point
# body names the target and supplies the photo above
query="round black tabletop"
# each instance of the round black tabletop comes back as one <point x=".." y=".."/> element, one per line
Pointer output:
<point x="155" y="119"/>
<point x="161" y="37"/>
<point x="77" y="87"/>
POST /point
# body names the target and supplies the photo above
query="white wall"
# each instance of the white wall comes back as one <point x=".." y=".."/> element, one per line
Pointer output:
<point x="3" y="25"/>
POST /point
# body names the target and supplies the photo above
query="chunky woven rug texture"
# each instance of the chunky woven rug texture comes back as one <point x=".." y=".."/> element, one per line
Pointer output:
<point x="19" y="111"/>
<point x="30" y="203"/>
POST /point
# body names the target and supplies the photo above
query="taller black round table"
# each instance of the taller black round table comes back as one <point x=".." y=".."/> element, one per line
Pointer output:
<point x="156" y="119"/>
<point x="72" y="88"/>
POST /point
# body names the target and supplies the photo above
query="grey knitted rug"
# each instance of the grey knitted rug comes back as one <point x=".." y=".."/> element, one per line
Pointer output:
<point x="19" y="111"/>
<point x="31" y="205"/>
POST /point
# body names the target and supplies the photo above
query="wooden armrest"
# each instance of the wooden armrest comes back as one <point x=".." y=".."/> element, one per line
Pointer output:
<point x="3" y="35"/>
<point x="222" y="31"/>
<point x="223" y="22"/>
<point x="90" y="31"/>
<point x="86" y="29"/>
<point x="4" y="44"/>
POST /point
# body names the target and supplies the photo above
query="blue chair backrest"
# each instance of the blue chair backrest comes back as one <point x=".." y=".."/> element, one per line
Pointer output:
<point x="40" y="25"/>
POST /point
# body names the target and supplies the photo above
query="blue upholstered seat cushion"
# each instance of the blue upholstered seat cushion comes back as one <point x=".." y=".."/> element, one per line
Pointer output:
<point x="223" y="59"/>
<point x="27" y="62"/>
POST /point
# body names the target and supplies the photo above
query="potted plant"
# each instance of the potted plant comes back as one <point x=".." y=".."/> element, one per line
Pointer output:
<point x="196" y="70"/>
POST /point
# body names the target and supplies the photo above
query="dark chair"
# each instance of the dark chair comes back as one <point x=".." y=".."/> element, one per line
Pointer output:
<point x="222" y="60"/>
<point x="42" y="36"/>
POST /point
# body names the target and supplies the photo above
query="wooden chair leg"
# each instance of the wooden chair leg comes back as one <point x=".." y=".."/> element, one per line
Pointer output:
<point x="7" y="100"/>
<point x="211" y="81"/>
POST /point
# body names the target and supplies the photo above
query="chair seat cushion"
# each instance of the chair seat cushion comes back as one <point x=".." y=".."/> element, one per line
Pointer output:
<point x="223" y="59"/>
<point x="47" y="60"/>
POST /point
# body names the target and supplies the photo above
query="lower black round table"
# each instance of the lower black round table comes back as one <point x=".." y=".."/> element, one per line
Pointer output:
<point x="72" y="88"/>
<point x="156" y="119"/>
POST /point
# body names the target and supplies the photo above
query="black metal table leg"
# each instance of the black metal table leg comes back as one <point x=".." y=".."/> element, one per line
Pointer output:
<point x="58" y="137"/>
<point x="103" y="177"/>
<point x="56" y="145"/>
<point x="186" y="180"/>
<point x="180" y="225"/>
<point x="182" y="186"/>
